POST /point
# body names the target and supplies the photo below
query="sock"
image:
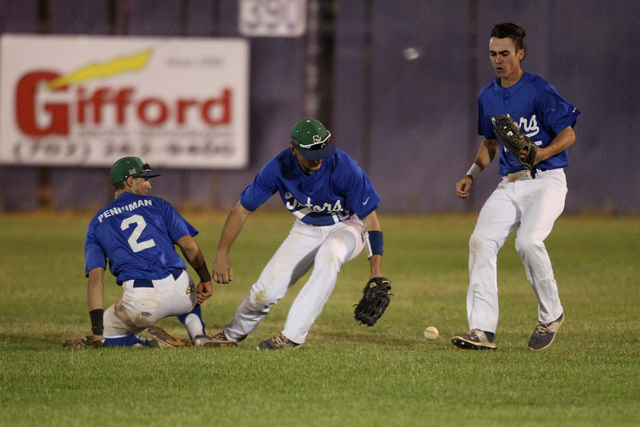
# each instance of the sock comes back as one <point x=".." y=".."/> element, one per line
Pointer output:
<point x="193" y="322"/>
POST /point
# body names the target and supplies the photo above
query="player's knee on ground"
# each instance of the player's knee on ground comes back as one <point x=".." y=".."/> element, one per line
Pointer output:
<point x="117" y="322"/>
<point x="143" y="312"/>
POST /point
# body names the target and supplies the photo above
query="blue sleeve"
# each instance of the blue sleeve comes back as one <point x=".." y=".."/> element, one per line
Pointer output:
<point x="557" y="114"/>
<point x="94" y="256"/>
<point x="360" y="192"/>
<point x="177" y="226"/>
<point x="485" y="127"/>
<point x="262" y="188"/>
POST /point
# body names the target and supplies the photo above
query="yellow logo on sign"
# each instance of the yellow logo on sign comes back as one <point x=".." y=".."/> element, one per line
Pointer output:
<point x="109" y="68"/>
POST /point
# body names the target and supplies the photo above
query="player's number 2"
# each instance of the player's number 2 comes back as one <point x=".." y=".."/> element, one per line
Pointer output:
<point x="133" y="239"/>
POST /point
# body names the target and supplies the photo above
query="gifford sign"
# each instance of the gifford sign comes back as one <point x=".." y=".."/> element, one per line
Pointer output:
<point x="87" y="101"/>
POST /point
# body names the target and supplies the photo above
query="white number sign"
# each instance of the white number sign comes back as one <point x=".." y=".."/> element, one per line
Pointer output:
<point x="272" y="18"/>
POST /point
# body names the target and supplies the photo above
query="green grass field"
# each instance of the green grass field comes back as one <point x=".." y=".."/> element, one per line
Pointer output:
<point x="345" y="374"/>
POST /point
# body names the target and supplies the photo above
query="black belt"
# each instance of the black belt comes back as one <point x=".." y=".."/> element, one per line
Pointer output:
<point x="534" y="170"/>
<point x="146" y="283"/>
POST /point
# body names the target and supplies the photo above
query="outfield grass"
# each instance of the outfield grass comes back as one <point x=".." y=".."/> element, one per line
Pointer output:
<point x="345" y="374"/>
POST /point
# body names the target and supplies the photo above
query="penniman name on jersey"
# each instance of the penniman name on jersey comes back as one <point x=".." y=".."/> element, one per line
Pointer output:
<point x="127" y="208"/>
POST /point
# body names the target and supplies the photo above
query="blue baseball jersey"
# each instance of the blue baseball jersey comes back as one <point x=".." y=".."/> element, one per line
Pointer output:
<point x="538" y="109"/>
<point x="136" y="234"/>
<point x="335" y="192"/>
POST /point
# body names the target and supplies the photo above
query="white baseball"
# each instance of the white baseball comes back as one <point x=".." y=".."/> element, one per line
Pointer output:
<point x="431" y="333"/>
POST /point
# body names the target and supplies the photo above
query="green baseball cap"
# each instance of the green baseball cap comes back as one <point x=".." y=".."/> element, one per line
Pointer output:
<point x="312" y="139"/>
<point x="130" y="166"/>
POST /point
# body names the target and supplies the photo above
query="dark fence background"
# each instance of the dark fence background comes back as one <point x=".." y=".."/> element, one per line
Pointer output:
<point x="395" y="81"/>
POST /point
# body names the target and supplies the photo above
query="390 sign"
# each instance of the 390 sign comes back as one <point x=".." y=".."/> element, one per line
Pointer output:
<point x="272" y="18"/>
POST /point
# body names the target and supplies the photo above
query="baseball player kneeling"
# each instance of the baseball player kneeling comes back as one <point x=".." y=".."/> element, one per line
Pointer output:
<point x="135" y="235"/>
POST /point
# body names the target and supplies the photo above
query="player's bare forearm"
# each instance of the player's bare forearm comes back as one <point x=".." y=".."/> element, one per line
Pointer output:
<point x="222" y="271"/>
<point x="232" y="228"/>
<point x="375" y="266"/>
<point x="371" y="223"/>
<point x="191" y="251"/>
<point x="95" y="300"/>
<point x="561" y="142"/>
<point x="95" y="289"/>
<point x="195" y="258"/>
<point x="487" y="152"/>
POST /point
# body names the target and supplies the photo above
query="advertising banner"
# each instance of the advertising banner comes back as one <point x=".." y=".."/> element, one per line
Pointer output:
<point x="89" y="100"/>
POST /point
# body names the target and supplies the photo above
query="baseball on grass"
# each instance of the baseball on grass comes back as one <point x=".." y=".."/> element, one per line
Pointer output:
<point x="431" y="333"/>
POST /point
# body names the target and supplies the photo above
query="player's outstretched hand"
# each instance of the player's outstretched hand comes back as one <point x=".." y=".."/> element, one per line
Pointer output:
<point x="463" y="186"/>
<point x="222" y="270"/>
<point x="205" y="290"/>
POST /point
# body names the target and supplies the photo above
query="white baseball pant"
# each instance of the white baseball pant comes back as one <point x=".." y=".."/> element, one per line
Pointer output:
<point x="141" y="307"/>
<point x="531" y="207"/>
<point x="326" y="249"/>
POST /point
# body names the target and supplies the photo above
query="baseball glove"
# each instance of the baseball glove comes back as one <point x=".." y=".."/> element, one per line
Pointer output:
<point x="517" y="143"/>
<point x="90" y="341"/>
<point x="376" y="298"/>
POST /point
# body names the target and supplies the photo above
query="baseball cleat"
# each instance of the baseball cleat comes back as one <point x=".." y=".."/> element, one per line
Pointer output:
<point x="544" y="334"/>
<point x="474" y="340"/>
<point x="279" y="342"/>
<point x="163" y="339"/>
<point x="219" y="340"/>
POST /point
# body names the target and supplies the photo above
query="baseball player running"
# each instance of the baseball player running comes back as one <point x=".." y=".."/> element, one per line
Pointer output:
<point x="135" y="235"/>
<point x="525" y="200"/>
<point x="335" y="208"/>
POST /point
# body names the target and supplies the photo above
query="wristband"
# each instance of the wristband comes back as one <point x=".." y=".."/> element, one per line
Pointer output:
<point x="96" y="316"/>
<point x="474" y="171"/>
<point x="203" y="272"/>
<point x="373" y="242"/>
